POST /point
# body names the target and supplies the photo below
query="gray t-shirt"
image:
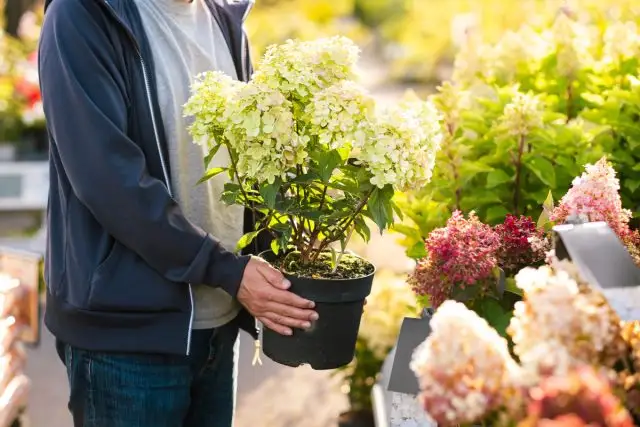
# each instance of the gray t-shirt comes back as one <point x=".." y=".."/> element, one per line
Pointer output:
<point x="186" y="41"/>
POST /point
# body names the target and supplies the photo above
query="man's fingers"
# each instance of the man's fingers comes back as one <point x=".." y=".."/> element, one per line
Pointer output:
<point x="292" y="312"/>
<point x="273" y="276"/>
<point x="281" y="329"/>
<point x="281" y="320"/>
<point x="290" y="299"/>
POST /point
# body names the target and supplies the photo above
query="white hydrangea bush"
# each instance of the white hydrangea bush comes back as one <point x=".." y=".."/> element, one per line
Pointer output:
<point x="310" y="150"/>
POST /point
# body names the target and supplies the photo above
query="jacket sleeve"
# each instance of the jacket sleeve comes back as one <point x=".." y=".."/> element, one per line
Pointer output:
<point x="85" y="103"/>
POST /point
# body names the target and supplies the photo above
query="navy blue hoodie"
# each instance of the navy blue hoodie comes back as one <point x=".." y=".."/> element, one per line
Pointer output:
<point x="120" y="253"/>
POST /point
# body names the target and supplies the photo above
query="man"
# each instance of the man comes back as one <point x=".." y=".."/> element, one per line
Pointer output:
<point x="143" y="297"/>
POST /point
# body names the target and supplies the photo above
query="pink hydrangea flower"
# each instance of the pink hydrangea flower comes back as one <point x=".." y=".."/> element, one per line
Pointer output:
<point x="459" y="255"/>
<point x="595" y="196"/>
<point x="519" y="237"/>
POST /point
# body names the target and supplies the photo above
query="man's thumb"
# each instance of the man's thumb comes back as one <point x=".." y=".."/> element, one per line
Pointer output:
<point x="274" y="277"/>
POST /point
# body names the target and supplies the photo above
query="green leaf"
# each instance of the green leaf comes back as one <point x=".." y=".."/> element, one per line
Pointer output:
<point x="269" y="193"/>
<point x="417" y="251"/>
<point x="397" y="210"/>
<point x="230" y="197"/>
<point x="548" y="202"/>
<point x="497" y="177"/>
<point x="407" y="230"/>
<point x="500" y="278"/>
<point x="465" y="294"/>
<point x="593" y="98"/>
<point x="511" y="286"/>
<point x="334" y="257"/>
<point x="275" y="246"/>
<point x="210" y="173"/>
<point x="632" y="184"/>
<point x="362" y="229"/>
<point x="211" y="155"/>
<point x="247" y="239"/>
<point x="547" y="208"/>
<point x="470" y="168"/>
<point x="496" y="315"/>
<point x="543" y="169"/>
<point x="496" y="213"/>
<point x="379" y="206"/>
<point x="327" y="163"/>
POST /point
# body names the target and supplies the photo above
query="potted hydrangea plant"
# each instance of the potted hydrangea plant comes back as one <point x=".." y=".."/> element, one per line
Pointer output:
<point x="313" y="158"/>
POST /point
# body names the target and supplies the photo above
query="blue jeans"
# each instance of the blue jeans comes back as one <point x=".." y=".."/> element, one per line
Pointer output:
<point x="139" y="390"/>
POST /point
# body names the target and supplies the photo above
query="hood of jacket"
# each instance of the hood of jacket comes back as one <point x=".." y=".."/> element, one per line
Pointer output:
<point x="238" y="9"/>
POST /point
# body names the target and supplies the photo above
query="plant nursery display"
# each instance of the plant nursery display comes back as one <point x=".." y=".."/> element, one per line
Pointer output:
<point x="474" y="263"/>
<point x="574" y="363"/>
<point x="521" y="117"/>
<point x="420" y="50"/>
<point x="313" y="157"/>
<point x="595" y="196"/>
<point x="583" y="71"/>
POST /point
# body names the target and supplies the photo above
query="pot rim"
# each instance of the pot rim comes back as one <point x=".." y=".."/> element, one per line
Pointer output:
<point x="375" y="269"/>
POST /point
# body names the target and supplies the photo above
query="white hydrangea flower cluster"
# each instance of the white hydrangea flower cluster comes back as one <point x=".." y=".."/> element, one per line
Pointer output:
<point x="261" y="122"/>
<point x="464" y="367"/>
<point x="255" y="120"/>
<point x="403" y="148"/>
<point x="302" y="94"/>
<point x="473" y="60"/>
<point x="300" y="69"/>
<point x="341" y="114"/>
<point x="517" y="49"/>
<point x="452" y="100"/>
<point x="390" y="301"/>
<point x="210" y="95"/>
<point x="573" y="45"/>
<point x="621" y="42"/>
<point x="522" y="115"/>
<point x="560" y="323"/>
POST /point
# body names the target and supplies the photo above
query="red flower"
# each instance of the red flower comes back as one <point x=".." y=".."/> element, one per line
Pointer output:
<point x="459" y="255"/>
<point x="28" y="86"/>
<point x="515" y="251"/>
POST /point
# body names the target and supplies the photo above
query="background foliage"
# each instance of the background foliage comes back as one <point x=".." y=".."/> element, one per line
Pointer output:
<point x="525" y="114"/>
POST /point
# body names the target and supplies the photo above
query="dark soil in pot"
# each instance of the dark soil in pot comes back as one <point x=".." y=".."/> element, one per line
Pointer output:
<point x="356" y="419"/>
<point x="331" y="340"/>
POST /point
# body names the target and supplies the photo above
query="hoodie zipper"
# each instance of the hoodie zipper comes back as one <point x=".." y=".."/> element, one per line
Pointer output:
<point x="245" y="45"/>
<point x="156" y="134"/>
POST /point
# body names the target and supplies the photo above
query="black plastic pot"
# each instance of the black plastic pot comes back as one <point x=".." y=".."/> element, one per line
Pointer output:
<point x="330" y="342"/>
<point x="356" y="419"/>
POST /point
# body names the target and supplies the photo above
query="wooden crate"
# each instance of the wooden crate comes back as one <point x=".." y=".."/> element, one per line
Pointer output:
<point x="19" y="325"/>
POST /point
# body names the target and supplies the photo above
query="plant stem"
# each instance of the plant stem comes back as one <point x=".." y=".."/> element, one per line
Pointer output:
<point x="316" y="231"/>
<point x="451" y="131"/>
<point x="234" y="165"/>
<point x="339" y="232"/>
<point x="518" y="166"/>
<point x="344" y="248"/>
<point x="569" y="101"/>
<point x="323" y="198"/>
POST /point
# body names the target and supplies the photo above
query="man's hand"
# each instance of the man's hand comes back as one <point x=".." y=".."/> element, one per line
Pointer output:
<point x="264" y="292"/>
